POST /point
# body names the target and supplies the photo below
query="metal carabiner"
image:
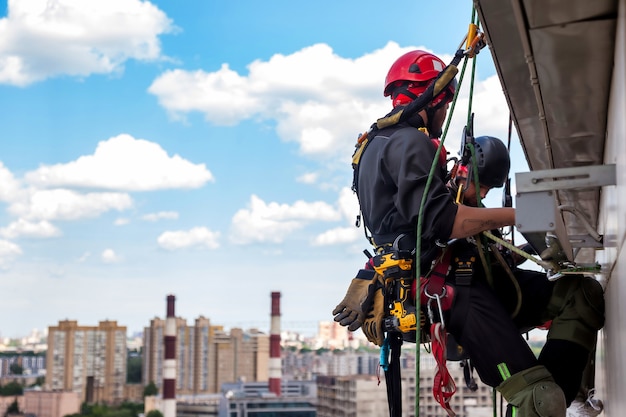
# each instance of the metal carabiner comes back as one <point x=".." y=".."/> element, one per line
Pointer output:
<point x="437" y="298"/>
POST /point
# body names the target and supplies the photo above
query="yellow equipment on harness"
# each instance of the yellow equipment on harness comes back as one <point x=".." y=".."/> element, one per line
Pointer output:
<point x="396" y="267"/>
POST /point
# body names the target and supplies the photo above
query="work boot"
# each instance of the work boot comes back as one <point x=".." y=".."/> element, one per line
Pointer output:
<point x="590" y="407"/>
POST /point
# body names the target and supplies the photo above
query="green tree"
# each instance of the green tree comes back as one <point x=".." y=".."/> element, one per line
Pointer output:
<point x="150" y="389"/>
<point x="133" y="370"/>
<point x="12" y="408"/>
<point x="16" y="369"/>
<point x="12" y="388"/>
<point x="154" y="413"/>
<point x="39" y="381"/>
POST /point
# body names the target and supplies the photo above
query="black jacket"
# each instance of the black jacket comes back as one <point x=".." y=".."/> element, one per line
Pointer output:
<point x="392" y="176"/>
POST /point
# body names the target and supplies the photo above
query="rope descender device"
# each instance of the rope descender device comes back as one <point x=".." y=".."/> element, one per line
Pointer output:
<point x="474" y="41"/>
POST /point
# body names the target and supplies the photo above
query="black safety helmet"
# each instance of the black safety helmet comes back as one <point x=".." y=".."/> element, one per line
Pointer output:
<point x="492" y="160"/>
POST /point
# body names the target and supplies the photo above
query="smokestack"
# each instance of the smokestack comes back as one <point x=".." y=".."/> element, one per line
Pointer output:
<point x="169" y="364"/>
<point x="275" y="372"/>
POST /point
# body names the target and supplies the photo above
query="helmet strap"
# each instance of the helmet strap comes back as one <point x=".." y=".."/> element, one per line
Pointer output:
<point x="430" y="113"/>
<point x="402" y="90"/>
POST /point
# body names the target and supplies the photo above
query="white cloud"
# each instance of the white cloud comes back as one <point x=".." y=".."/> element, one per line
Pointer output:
<point x="62" y="204"/>
<point x="349" y="208"/>
<point x="348" y="204"/>
<point x="41" y="38"/>
<point x="338" y="235"/>
<point x="10" y="188"/>
<point x="109" y="256"/>
<point x="84" y="257"/>
<point x="23" y="227"/>
<point x="154" y="217"/>
<point x="308" y="178"/>
<point x="8" y="252"/>
<point x="272" y="222"/>
<point x="197" y="237"/>
<point x="124" y="163"/>
<point x="318" y="99"/>
<point x="121" y="221"/>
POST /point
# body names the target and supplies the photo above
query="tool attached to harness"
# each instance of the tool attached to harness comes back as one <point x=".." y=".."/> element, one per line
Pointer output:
<point x="396" y="267"/>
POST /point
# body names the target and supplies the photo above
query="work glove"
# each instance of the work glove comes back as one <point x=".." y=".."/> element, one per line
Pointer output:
<point x="358" y="299"/>
<point x="373" y="325"/>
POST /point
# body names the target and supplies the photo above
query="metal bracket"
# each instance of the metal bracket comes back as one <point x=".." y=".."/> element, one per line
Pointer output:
<point x="565" y="178"/>
<point x="537" y="214"/>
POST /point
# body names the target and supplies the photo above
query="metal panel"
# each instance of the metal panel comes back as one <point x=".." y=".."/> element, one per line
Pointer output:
<point x="554" y="59"/>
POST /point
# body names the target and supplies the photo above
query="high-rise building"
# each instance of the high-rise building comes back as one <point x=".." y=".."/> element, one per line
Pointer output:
<point x="363" y="395"/>
<point x="90" y="360"/>
<point x="207" y="356"/>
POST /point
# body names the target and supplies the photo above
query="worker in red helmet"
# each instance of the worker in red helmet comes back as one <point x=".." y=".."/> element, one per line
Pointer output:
<point x="390" y="181"/>
<point x="409" y="77"/>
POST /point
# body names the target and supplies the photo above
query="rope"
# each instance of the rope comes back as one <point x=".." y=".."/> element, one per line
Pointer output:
<point x="517" y="250"/>
<point x="418" y="243"/>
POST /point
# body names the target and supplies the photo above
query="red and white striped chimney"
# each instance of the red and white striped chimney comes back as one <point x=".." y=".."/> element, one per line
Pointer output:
<point x="275" y="371"/>
<point x="169" y="364"/>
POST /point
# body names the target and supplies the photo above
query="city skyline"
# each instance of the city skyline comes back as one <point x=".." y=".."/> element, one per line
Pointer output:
<point x="199" y="149"/>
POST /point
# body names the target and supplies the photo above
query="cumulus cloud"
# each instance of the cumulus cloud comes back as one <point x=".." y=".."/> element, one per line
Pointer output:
<point x="22" y="227"/>
<point x="316" y="98"/>
<point x="272" y="222"/>
<point x="63" y="204"/>
<point x="11" y="187"/>
<point x="154" y="217"/>
<point x="308" y="178"/>
<point x="124" y="163"/>
<point x="121" y="221"/>
<point x="40" y="39"/>
<point x="109" y="256"/>
<point x="198" y="237"/>
<point x="8" y="252"/>
<point x="319" y="99"/>
<point x="338" y="235"/>
<point x="349" y="208"/>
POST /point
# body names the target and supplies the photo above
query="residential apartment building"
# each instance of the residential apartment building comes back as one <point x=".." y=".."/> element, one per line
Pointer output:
<point x="90" y="360"/>
<point x="356" y="391"/>
<point x="51" y="403"/>
<point x="351" y="396"/>
<point x="30" y="363"/>
<point x="206" y="356"/>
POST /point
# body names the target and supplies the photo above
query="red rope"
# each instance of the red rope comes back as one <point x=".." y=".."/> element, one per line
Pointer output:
<point x="443" y="384"/>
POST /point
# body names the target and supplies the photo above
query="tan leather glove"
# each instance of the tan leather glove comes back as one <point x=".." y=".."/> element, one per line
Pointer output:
<point x="358" y="299"/>
<point x="373" y="325"/>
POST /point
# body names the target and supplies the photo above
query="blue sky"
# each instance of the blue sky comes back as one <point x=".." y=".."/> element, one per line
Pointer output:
<point x="198" y="148"/>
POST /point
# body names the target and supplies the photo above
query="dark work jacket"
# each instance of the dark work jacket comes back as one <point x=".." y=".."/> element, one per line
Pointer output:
<point x="392" y="176"/>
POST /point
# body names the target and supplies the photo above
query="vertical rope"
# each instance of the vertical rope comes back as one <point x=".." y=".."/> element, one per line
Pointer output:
<point x="418" y="243"/>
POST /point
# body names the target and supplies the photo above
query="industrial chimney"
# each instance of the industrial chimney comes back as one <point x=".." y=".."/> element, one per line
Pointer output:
<point x="169" y="364"/>
<point x="275" y="371"/>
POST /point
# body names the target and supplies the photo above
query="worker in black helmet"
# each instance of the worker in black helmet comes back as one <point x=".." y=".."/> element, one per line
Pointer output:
<point x="390" y="181"/>
<point x="572" y="307"/>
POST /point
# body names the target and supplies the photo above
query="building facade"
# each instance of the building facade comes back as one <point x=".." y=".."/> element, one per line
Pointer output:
<point x="51" y="403"/>
<point x="356" y="391"/>
<point x="206" y="356"/>
<point x="89" y="360"/>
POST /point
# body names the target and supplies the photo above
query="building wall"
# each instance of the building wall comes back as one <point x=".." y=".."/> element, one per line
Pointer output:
<point x="612" y="342"/>
<point x="343" y="396"/>
<point x="5" y="402"/>
<point x="354" y="395"/>
<point x="206" y="356"/>
<point x="90" y="360"/>
<point x="51" y="403"/>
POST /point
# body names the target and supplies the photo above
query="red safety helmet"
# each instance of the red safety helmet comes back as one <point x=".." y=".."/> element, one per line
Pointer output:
<point x="413" y="72"/>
